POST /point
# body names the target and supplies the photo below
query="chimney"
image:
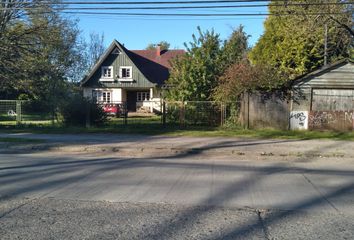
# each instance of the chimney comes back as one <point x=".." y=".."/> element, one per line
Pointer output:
<point x="158" y="50"/>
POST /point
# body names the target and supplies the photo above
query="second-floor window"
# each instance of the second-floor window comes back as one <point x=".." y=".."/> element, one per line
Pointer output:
<point x="107" y="72"/>
<point x="125" y="73"/>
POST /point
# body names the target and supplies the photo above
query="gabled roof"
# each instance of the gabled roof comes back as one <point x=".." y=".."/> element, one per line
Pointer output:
<point x="154" y="68"/>
<point x="321" y="71"/>
<point x="108" y="51"/>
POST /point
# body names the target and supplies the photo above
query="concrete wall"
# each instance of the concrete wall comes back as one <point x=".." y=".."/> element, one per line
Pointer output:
<point x="265" y="111"/>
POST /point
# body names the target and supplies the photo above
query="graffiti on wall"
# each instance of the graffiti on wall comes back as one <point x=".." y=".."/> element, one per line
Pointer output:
<point x="321" y="118"/>
<point x="332" y="120"/>
<point x="349" y="116"/>
<point x="298" y="120"/>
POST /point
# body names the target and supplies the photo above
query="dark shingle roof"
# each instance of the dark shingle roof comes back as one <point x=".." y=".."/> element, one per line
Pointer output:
<point x="155" y="68"/>
<point x="165" y="57"/>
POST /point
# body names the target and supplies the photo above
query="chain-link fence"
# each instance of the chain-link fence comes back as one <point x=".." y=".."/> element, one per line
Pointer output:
<point x="200" y="113"/>
<point x="10" y="112"/>
<point x="148" y="113"/>
<point x="14" y="112"/>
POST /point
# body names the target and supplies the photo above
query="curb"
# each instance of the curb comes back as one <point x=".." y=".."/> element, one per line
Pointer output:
<point x="158" y="151"/>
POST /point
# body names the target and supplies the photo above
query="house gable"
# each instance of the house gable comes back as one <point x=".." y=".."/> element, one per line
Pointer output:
<point x="117" y="56"/>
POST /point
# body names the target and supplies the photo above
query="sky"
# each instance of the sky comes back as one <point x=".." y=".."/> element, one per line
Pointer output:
<point x="136" y="32"/>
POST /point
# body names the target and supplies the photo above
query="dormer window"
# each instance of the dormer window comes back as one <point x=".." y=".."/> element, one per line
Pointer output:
<point x="125" y="73"/>
<point x="107" y="73"/>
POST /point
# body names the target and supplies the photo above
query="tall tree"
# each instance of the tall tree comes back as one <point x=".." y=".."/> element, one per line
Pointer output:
<point x="294" y="37"/>
<point x="195" y="76"/>
<point x="235" y="47"/>
<point x="95" y="48"/>
<point x="36" y="64"/>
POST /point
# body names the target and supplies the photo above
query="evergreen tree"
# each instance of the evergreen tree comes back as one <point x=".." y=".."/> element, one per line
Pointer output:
<point x="294" y="37"/>
<point x="194" y="76"/>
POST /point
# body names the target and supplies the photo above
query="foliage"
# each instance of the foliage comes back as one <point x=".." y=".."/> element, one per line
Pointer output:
<point x="293" y="41"/>
<point x="164" y="45"/>
<point x="196" y="113"/>
<point x="35" y="64"/>
<point x="243" y="76"/>
<point x="194" y="76"/>
<point x="74" y="112"/>
<point x="236" y="47"/>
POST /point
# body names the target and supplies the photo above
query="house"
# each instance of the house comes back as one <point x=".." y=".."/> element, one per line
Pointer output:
<point x="130" y="77"/>
<point x="320" y="100"/>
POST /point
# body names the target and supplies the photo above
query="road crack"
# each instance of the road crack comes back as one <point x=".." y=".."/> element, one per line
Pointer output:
<point x="16" y="208"/>
<point x="259" y="213"/>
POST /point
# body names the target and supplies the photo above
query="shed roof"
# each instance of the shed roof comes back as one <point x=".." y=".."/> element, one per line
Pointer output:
<point x="322" y="70"/>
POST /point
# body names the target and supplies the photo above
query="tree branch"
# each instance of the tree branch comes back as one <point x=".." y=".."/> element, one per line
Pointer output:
<point x="346" y="27"/>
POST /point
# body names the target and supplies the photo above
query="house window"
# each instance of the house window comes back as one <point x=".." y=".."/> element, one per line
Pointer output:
<point x="125" y="73"/>
<point x="102" y="96"/>
<point x="142" y="96"/>
<point x="107" y="72"/>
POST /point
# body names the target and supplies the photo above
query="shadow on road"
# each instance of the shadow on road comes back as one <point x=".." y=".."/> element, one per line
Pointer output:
<point x="51" y="174"/>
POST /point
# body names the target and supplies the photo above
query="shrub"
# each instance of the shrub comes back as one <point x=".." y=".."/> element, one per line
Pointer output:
<point x="76" y="110"/>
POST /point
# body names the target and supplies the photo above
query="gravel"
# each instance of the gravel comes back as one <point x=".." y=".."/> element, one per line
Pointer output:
<point x="309" y="225"/>
<point x="72" y="219"/>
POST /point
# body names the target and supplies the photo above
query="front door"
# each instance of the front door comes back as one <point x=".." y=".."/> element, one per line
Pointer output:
<point x="131" y="101"/>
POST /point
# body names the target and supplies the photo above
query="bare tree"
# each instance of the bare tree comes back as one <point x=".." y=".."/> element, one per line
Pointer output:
<point x="95" y="48"/>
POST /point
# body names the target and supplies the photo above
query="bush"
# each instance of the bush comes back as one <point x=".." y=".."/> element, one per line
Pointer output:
<point x="74" y="112"/>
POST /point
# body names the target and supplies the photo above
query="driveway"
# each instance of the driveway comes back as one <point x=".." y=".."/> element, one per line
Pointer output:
<point x="223" y="189"/>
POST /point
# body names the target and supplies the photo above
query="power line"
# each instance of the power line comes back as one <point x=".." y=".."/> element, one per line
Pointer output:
<point x="199" y="14"/>
<point x="185" y="7"/>
<point x="159" y="2"/>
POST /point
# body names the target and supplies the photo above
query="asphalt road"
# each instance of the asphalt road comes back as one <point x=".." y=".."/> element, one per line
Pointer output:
<point x="247" y="189"/>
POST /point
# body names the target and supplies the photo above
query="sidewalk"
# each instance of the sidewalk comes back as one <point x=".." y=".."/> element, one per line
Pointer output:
<point x="165" y="146"/>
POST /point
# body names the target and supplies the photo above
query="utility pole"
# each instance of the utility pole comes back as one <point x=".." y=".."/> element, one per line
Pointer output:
<point x="325" y="46"/>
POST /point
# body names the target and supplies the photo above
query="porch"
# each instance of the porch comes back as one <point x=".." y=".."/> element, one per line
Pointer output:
<point x="142" y="100"/>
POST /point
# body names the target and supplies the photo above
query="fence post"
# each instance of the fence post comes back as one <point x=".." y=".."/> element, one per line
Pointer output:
<point x="18" y="112"/>
<point x="125" y="113"/>
<point x="222" y="113"/>
<point x="248" y="111"/>
<point x="182" y="115"/>
<point x="88" y="113"/>
<point x="163" y="113"/>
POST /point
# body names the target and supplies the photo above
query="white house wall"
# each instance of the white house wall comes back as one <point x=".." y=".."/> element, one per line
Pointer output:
<point x="118" y="94"/>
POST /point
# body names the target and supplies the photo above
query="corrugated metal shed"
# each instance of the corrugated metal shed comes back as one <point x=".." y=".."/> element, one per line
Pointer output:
<point x="328" y="82"/>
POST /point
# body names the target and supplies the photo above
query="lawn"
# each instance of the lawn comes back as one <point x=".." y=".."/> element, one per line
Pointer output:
<point x="153" y="126"/>
<point x="20" y="140"/>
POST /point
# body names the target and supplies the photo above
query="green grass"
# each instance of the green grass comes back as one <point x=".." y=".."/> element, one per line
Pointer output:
<point x="154" y="127"/>
<point x="20" y="140"/>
